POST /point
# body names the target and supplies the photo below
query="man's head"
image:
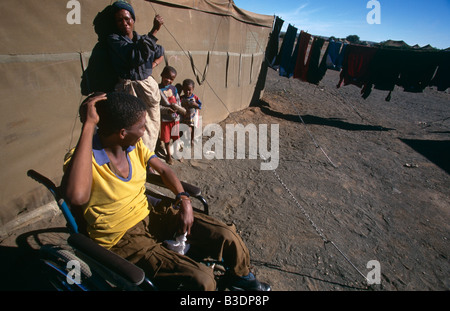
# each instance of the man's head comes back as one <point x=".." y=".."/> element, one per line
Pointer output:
<point x="121" y="113"/>
<point x="123" y="5"/>
<point x="124" y="18"/>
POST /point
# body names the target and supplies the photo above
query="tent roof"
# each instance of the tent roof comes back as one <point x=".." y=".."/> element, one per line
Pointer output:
<point x="397" y="44"/>
<point x="222" y="7"/>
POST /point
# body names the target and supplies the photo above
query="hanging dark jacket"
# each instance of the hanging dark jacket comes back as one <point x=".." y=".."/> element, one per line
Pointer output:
<point x="317" y="66"/>
<point x="356" y="67"/>
<point x="286" y="66"/>
<point x="418" y="68"/>
<point x="301" y="67"/>
<point x="273" y="44"/>
<point x="385" y="69"/>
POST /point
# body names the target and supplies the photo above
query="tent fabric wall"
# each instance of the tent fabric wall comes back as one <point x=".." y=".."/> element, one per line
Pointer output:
<point x="236" y="49"/>
<point x="41" y="61"/>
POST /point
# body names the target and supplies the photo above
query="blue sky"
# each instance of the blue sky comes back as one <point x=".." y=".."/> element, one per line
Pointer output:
<point x="415" y="22"/>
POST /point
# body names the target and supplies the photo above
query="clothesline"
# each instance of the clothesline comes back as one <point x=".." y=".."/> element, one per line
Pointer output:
<point x="367" y="67"/>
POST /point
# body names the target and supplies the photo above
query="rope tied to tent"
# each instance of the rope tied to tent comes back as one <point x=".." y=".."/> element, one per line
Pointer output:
<point x="194" y="69"/>
<point x="201" y="80"/>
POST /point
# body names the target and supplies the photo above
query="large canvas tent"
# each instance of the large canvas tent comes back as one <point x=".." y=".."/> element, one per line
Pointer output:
<point x="46" y="44"/>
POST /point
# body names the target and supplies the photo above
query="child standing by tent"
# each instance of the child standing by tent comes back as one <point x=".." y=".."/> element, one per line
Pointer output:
<point x="170" y="106"/>
<point x="192" y="104"/>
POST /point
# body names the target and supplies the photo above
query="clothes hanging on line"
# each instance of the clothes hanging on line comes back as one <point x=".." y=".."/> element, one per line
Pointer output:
<point x="335" y="55"/>
<point x="286" y="62"/>
<point x="273" y="44"/>
<point x="340" y="59"/>
<point x="356" y="66"/>
<point x="309" y="67"/>
<point x="301" y="67"/>
<point x="317" y="66"/>
<point x="383" y="69"/>
<point x="293" y="60"/>
<point x="418" y="69"/>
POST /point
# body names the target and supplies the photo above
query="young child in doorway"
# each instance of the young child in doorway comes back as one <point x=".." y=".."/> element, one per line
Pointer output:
<point x="192" y="104"/>
<point x="170" y="110"/>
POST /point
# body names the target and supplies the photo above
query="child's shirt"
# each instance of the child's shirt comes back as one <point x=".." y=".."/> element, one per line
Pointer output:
<point x="169" y="95"/>
<point x="191" y="118"/>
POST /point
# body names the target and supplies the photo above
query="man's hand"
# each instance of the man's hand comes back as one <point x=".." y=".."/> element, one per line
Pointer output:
<point x="186" y="213"/>
<point x="185" y="216"/>
<point x="77" y="179"/>
<point x="158" y="21"/>
<point x="88" y="112"/>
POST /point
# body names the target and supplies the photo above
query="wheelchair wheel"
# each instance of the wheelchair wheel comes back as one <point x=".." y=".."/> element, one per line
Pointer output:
<point x="67" y="272"/>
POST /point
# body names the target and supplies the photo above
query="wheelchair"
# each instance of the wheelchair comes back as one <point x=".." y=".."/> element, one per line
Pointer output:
<point x="83" y="265"/>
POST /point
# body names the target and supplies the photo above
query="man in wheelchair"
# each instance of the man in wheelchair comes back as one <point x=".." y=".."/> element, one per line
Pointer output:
<point x="104" y="177"/>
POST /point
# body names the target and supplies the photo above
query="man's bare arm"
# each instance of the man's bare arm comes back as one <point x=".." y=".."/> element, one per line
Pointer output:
<point x="77" y="179"/>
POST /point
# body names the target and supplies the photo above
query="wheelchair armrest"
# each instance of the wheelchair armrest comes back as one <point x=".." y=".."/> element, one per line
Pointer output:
<point x="191" y="189"/>
<point x="107" y="258"/>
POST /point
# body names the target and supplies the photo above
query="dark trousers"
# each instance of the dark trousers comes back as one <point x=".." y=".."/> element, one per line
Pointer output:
<point x="209" y="238"/>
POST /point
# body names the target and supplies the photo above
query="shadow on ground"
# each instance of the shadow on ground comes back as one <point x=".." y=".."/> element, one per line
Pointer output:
<point x="437" y="151"/>
<point x="20" y="266"/>
<point x="309" y="119"/>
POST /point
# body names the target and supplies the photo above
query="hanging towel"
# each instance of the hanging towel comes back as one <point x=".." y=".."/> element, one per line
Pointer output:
<point x="385" y="70"/>
<point x="285" y="55"/>
<point x="334" y="49"/>
<point x="317" y="66"/>
<point x="340" y="58"/>
<point x="273" y="44"/>
<point x="418" y="70"/>
<point x="356" y="66"/>
<point x="293" y="61"/>
<point x="301" y="68"/>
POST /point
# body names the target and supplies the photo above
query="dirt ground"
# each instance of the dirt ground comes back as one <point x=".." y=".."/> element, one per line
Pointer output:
<point x="357" y="180"/>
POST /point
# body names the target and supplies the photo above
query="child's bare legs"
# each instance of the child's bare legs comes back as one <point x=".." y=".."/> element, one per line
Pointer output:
<point x="168" y="153"/>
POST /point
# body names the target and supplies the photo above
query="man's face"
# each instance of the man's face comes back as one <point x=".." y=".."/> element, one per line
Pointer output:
<point x="124" y="23"/>
<point x="136" y="131"/>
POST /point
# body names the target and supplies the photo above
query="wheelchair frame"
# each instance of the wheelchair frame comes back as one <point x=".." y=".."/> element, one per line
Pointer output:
<point x="97" y="267"/>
